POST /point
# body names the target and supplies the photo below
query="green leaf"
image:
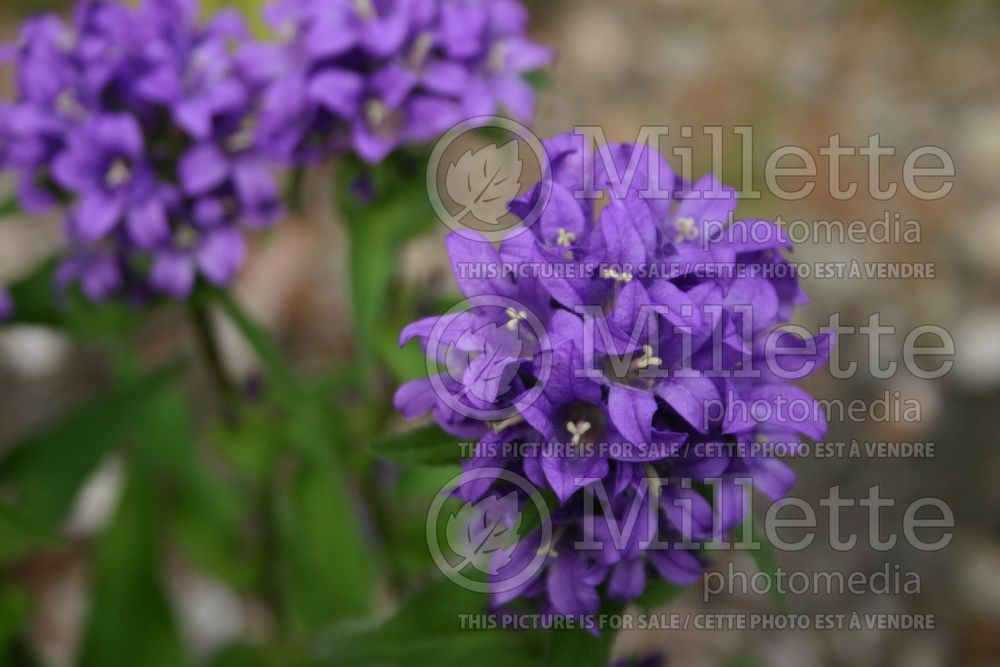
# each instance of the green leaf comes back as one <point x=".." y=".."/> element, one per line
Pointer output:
<point x="426" y="446"/>
<point x="19" y="535"/>
<point x="539" y="79"/>
<point x="742" y="661"/>
<point x="531" y="516"/>
<point x="327" y="567"/>
<point x="398" y="209"/>
<point x="250" y="442"/>
<point x="659" y="593"/>
<point x="46" y="470"/>
<point x="15" y="609"/>
<point x="427" y="631"/>
<point x="579" y="648"/>
<point x="9" y="208"/>
<point x="209" y="514"/>
<point x="130" y="621"/>
<point x="15" y="613"/>
<point x="246" y="655"/>
<point x="766" y="561"/>
<point x="406" y="363"/>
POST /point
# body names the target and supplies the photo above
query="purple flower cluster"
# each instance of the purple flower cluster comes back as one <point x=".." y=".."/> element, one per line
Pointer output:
<point x="368" y="76"/>
<point x="635" y="340"/>
<point x="140" y="122"/>
<point x="6" y="304"/>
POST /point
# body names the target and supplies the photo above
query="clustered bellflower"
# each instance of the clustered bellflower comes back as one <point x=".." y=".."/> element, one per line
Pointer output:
<point x="138" y="121"/>
<point x="615" y="402"/>
<point x="368" y="76"/>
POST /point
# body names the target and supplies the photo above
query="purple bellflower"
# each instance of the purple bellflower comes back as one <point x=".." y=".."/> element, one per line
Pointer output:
<point x="635" y="357"/>
<point x="139" y="122"/>
<point x="369" y="76"/>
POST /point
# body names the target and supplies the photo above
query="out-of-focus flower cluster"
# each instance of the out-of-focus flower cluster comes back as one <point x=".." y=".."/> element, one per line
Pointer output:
<point x="614" y="342"/>
<point x="368" y="76"/>
<point x="6" y="305"/>
<point x="139" y="122"/>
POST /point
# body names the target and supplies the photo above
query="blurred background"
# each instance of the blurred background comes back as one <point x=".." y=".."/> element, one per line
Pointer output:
<point x="917" y="72"/>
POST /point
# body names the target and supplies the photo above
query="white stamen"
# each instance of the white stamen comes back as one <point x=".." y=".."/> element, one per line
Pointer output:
<point x="565" y="238"/>
<point x="577" y="429"/>
<point x="614" y="274"/>
<point x="647" y="359"/>
<point x="654" y="489"/>
<point x="686" y="229"/>
<point x="510" y="421"/>
<point x="365" y="9"/>
<point x="118" y="173"/>
<point x="375" y="113"/>
<point x="421" y="49"/>
<point x="516" y="316"/>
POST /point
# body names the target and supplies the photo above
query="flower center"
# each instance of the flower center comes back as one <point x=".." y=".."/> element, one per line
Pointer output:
<point x="118" y="173"/>
<point x="365" y="9"/>
<point x="382" y="120"/>
<point x="375" y="113"/>
<point x="637" y="373"/>
<point x="185" y="238"/>
<point x="516" y="316"/>
<point x="566" y="240"/>
<point x="686" y="229"/>
<point x="243" y="138"/>
<point x="646" y="360"/>
<point x="584" y="423"/>
<point x="68" y="104"/>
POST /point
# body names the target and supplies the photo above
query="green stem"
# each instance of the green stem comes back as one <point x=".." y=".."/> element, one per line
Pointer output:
<point x="271" y="584"/>
<point x="279" y="374"/>
<point x="380" y="511"/>
<point x="201" y="319"/>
